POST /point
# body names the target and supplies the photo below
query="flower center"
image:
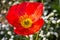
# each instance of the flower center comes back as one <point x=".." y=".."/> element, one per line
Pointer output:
<point x="26" y="23"/>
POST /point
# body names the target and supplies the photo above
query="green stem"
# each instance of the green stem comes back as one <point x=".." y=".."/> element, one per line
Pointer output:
<point x="59" y="2"/>
<point x="37" y="36"/>
<point x="42" y="1"/>
<point x="48" y="25"/>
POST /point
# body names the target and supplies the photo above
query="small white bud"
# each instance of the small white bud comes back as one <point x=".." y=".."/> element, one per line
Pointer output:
<point x="51" y="14"/>
<point x="51" y="18"/>
<point x="9" y="32"/>
<point x="3" y="1"/>
<point x="56" y="34"/>
<point x="58" y="21"/>
<point x="44" y="38"/>
<point x="31" y="37"/>
<point x="12" y="36"/>
<point x="3" y="11"/>
<point x="45" y="13"/>
<point x="10" y="3"/>
<point x="54" y="10"/>
<point x="2" y="32"/>
<point x="10" y="39"/>
<point x="48" y="34"/>
<point x="15" y="3"/>
<point x="54" y="21"/>
<point x="3" y="25"/>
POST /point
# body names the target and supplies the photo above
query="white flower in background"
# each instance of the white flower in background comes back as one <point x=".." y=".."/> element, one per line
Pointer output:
<point x="41" y="34"/>
<point x="9" y="32"/>
<point x="44" y="26"/>
<point x="56" y="34"/>
<point x="3" y="38"/>
<point x="58" y="21"/>
<point x="55" y="18"/>
<point x="6" y="21"/>
<point x="0" y="24"/>
<point x="51" y="18"/>
<point x="46" y="17"/>
<point x="10" y="3"/>
<point x="0" y="15"/>
<point x="26" y="36"/>
<point x="54" y="10"/>
<point x="15" y="2"/>
<point x="7" y="27"/>
<point x="3" y="1"/>
<point x="51" y="14"/>
<point x="31" y="37"/>
<point x="45" y="13"/>
<point x="54" y="21"/>
<point x="56" y="14"/>
<point x="48" y="34"/>
<point x="2" y="32"/>
<point x="10" y="39"/>
<point x="12" y="36"/>
<point x="46" y="21"/>
<point x="3" y="25"/>
<point x="52" y="32"/>
<point x="3" y="11"/>
<point x="44" y="38"/>
<point x="51" y="28"/>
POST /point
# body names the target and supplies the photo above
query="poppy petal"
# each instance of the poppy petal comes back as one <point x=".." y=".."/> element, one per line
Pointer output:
<point x="15" y="11"/>
<point x="35" y="27"/>
<point x="33" y="10"/>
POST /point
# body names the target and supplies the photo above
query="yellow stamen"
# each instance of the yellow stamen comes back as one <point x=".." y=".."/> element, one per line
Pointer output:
<point x="26" y="23"/>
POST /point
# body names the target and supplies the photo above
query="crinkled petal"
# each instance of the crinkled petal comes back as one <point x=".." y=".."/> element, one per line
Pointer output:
<point x="35" y="27"/>
<point x="15" y="11"/>
<point x="33" y="10"/>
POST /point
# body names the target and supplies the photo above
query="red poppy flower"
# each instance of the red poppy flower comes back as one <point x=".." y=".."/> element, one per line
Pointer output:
<point x="26" y="17"/>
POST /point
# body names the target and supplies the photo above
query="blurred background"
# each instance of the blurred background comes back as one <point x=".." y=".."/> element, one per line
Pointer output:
<point x="51" y="16"/>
